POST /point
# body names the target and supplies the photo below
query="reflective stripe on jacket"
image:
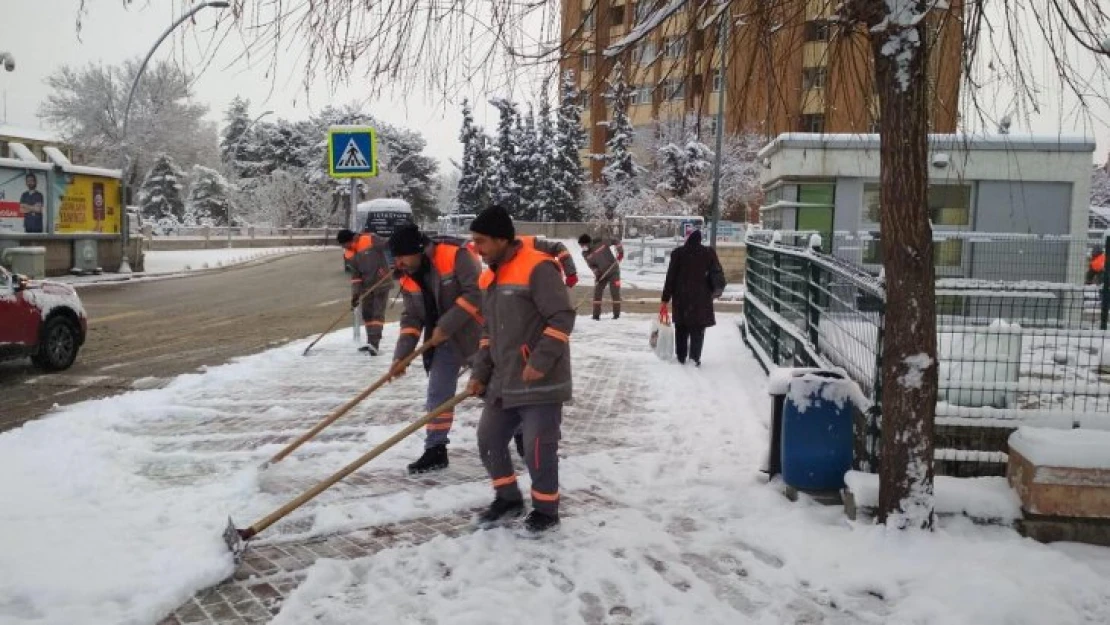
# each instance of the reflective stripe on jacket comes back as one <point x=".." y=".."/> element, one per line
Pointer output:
<point x="600" y="258"/>
<point x="369" y="265"/>
<point x="453" y="277"/>
<point x="554" y="249"/>
<point x="528" y="321"/>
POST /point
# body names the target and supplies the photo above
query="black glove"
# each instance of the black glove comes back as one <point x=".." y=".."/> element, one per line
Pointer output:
<point x="354" y="301"/>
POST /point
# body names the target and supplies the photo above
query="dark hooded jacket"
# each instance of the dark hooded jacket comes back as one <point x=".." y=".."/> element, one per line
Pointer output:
<point x="688" y="283"/>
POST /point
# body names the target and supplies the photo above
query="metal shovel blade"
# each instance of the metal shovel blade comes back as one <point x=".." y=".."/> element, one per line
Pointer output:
<point x="234" y="541"/>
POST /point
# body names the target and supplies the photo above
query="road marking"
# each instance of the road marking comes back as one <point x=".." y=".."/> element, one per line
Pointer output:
<point x="328" y="303"/>
<point x="118" y="316"/>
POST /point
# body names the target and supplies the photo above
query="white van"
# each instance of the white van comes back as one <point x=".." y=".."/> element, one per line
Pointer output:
<point x="382" y="216"/>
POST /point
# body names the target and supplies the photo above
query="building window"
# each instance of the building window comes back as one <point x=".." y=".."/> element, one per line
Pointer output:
<point x="643" y="9"/>
<point x="674" y="47"/>
<point x="616" y="15"/>
<point x="641" y="94"/>
<point x="590" y="22"/>
<point x="645" y="52"/>
<point x="674" y="89"/>
<point x="817" y="30"/>
<point x="586" y="99"/>
<point x="587" y="60"/>
<point x="949" y="205"/>
<point x="716" y="80"/>
<point x="814" y="78"/>
<point x="711" y="126"/>
<point x="813" y="123"/>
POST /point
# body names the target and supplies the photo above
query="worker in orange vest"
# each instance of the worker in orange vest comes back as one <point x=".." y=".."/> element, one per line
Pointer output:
<point x="1097" y="265"/>
<point x="367" y="262"/>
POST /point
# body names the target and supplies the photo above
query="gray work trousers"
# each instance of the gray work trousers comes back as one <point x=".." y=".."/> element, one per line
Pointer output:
<point x="614" y="284"/>
<point x="541" y="424"/>
<point x="443" y="380"/>
<point x="373" y="315"/>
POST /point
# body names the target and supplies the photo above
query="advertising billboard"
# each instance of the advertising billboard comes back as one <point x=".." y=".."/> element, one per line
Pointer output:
<point x="22" y="201"/>
<point x="87" y="204"/>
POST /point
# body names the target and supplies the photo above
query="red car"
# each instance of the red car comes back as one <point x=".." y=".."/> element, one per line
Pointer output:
<point x="40" y="319"/>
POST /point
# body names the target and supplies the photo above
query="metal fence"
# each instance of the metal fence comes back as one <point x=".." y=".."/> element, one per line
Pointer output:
<point x="1010" y="352"/>
<point x="248" y="232"/>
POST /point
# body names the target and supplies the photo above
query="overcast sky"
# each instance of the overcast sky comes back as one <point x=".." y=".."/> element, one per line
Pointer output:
<point x="42" y="37"/>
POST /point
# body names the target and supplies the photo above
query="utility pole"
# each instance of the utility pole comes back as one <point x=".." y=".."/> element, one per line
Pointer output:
<point x="125" y="225"/>
<point x="726" y="17"/>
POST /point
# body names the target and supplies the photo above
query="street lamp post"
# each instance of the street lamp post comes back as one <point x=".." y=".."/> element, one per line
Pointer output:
<point x="125" y="264"/>
<point x="725" y="19"/>
<point x="235" y="166"/>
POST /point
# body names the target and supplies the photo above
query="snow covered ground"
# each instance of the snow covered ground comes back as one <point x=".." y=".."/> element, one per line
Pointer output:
<point x="636" y="274"/>
<point x="195" y="260"/>
<point x="113" y="510"/>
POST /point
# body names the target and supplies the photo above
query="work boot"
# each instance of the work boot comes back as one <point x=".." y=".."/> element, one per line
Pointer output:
<point x="597" y="317"/>
<point x="501" y="508"/>
<point x="434" y="459"/>
<point x="537" y="521"/>
<point x="370" y="349"/>
<point x="519" y="439"/>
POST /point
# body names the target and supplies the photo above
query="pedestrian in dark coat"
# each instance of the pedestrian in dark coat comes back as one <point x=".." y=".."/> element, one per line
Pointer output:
<point x="694" y="279"/>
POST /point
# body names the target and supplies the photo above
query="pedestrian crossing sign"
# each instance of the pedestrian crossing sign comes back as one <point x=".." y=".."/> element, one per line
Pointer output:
<point x="352" y="152"/>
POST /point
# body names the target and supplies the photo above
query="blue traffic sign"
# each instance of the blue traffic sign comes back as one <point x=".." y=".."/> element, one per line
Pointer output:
<point x="352" y="152"/>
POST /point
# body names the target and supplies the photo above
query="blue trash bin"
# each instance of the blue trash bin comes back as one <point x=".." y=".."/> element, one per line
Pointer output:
<point x="817" y="431"/>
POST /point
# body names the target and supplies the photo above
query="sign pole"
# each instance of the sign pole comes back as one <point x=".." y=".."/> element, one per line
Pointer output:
<point x="353" y="154"/>
<point x="354" y="226"/>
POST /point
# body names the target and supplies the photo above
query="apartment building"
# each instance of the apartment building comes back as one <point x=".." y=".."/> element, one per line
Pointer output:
<point x="788" y="67"/>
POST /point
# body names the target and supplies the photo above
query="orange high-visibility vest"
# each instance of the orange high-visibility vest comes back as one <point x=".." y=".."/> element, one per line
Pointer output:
<point x="363" y="242"/>
<point x="1098" y="263"/>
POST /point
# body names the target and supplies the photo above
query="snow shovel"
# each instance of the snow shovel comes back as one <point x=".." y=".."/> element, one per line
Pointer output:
<point x="342" y="410"/>
<point x="236" y="539"/>
<point x="339" y="319"/>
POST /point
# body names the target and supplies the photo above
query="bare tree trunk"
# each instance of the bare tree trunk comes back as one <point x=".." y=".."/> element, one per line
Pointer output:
<point x="909" y="351"/>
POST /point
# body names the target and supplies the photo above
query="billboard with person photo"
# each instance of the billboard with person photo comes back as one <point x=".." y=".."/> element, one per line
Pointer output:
<point x="22" y="201"/>
<point x="87" y="204"/>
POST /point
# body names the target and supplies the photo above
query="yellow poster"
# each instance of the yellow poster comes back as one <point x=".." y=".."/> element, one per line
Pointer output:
<point x="88" y="204"/>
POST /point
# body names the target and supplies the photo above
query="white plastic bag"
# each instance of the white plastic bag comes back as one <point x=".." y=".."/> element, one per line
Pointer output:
<point x="662" y="336"/>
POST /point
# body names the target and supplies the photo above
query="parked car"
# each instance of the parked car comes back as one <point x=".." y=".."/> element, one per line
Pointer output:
<point x="40" y="319"/>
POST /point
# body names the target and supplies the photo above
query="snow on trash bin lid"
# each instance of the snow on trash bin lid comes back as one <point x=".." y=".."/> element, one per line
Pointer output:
<point x="838" y="389"/>
<point x="1076" y="449"/>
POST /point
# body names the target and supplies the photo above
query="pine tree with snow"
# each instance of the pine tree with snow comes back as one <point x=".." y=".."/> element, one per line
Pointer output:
<point x="236" y="122"/>
<point x="505" y="180"/>
<point x="160" y="197"/>
<point x="621" y="173"/>
<point x="1100" y="185"/>
<point x="209" y="197"/>
<point x="566" y="173"/>
<point x="683" y="166"/>
<point x="543" y="159"/>
<point x="473" y="190"/>
<point x="527" y="166"/>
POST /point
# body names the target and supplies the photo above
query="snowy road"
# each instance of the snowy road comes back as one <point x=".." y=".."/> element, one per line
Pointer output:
<point x="113" y="511"/>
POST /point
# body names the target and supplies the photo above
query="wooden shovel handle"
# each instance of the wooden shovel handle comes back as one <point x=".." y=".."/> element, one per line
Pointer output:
<point x="311" y="493"/>
<point x="345" y="408"/>
<point x="343" y="315"/>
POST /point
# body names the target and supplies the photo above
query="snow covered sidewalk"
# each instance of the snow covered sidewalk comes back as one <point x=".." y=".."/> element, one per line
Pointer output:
<point x="113" y="509"/>
<point x="161" y="264"/>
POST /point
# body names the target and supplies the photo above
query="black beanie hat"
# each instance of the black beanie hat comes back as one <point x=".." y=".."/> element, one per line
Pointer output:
<point x="584" y="239"/>
<point x="494" y="222"/>
<point x="345" y="236"/>
<point x="406" y="241"/>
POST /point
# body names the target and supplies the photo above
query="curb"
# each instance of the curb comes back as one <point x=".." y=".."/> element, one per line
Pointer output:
<point x="139" y="278"/>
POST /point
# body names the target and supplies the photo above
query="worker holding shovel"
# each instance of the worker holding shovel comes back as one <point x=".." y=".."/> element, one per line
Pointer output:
<point x="369" y="266"/>
<point x="439" y="284"/>
<point x="606" y="268"/>
<point x="522" y="369"/>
